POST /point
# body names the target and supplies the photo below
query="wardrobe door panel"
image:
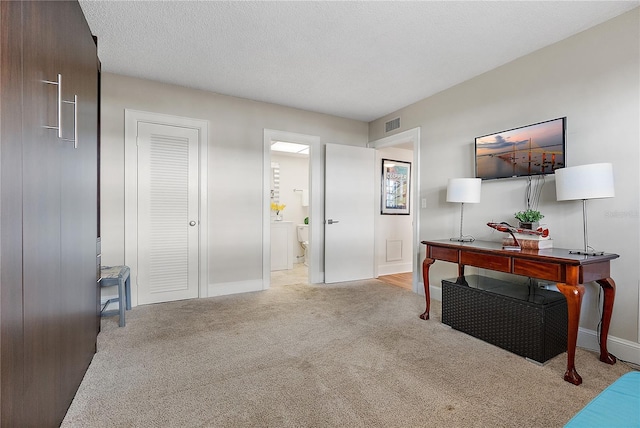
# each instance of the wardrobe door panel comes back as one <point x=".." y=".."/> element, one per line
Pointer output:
<point x="11" y="358"/>
<point x="42" y="287"/>
<point x="48" y="293"/>
<point x="78" y="202"/>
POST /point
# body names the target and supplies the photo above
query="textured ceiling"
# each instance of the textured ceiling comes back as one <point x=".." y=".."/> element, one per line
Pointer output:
<point x="358" y="60"/>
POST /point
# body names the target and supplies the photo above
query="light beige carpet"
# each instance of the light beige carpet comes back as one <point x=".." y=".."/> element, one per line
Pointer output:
<point x="348" y="355"/>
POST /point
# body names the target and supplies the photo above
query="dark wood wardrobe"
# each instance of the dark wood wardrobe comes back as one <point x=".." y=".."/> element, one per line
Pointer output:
<point x="48" y="209"/>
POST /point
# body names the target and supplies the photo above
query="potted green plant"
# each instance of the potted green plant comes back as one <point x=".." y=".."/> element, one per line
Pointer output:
<point x="529" y="219"/>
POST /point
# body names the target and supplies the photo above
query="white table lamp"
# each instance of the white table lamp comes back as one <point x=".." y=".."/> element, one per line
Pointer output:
<point x="463" y="190"/>
<point x="594" y="181"/>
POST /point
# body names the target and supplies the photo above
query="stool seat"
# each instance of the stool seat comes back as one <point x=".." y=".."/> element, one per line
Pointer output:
<point x="117" y="276"/>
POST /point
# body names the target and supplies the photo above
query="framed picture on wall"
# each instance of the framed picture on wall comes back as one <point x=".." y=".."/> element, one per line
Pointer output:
<point x="396" y="180"/>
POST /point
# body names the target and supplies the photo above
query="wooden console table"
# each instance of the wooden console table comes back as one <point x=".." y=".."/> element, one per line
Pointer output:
<point x="568" y="271"/>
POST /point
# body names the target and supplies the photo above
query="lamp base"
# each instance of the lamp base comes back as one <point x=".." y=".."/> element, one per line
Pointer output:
<point x="587" y="253"/>
<point x="461" y="239"/>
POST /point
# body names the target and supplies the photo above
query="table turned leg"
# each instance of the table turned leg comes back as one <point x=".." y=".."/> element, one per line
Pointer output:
<point x="609" y="289"/>
<point x="573" y="294"/>
<point x="425" y="278"/>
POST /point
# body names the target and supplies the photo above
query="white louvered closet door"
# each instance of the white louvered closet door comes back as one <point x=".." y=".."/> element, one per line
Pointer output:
<point x="167" y="213"/>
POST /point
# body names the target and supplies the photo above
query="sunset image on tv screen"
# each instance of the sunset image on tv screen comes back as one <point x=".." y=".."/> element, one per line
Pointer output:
<point x="530" y="150"/>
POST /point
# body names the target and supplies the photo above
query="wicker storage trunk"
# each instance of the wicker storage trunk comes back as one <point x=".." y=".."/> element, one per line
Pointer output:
<point x="528" y="321"/>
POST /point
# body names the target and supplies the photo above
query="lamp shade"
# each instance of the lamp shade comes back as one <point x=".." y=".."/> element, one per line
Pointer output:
<point x="593" y="181"/>
<point x="464" y="190"/>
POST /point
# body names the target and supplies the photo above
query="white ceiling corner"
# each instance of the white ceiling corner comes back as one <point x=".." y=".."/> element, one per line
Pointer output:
<point x="359" y="60"/>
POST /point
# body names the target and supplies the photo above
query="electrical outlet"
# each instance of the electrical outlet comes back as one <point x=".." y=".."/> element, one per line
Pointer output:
<point x="547" y="285"/>
<point x="423" y="203"/>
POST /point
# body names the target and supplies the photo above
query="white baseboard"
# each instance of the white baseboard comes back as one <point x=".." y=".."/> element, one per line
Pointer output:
<point x="622" y="349"/>
<point x="434" y="292"/>
<point x="221" y="289"/>
<point x="225" y="288"/>
<point x="390" y="269"/>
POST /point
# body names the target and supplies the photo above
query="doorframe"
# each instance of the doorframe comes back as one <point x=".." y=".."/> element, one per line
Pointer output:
<point x="411" y="135"/>
<point x="131" y="120"/>
<point x="316" y="263"/>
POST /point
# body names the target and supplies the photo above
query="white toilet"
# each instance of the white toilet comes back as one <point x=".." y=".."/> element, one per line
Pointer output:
<point x="303" y="239"/>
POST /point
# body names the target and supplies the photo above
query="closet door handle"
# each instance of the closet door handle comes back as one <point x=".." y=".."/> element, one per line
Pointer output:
<point x="59" y="83"/>
<point x="75" y="113"/>
<point x="75" y="122"/>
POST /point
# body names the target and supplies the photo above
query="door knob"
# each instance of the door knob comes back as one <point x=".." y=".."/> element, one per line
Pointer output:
<point x="192" y="223"/>
<point x="331" y="221"/>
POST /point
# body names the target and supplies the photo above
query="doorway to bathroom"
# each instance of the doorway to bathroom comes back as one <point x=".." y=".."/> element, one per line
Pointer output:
<point x="289" y="214"/>
<point x="292" y="194"/>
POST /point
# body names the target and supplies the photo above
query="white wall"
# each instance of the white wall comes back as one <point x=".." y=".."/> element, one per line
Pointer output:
<point x="294" y="174"/>
<point x="591" y="78"/>
<point x="394" y="228"/>
<point x="235" y="179"/>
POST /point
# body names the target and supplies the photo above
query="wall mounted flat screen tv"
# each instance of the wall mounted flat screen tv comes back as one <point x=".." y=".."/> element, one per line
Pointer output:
<point x="537" y="149"/>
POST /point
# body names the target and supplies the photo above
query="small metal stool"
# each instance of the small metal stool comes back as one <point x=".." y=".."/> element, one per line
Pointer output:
<point x="116" y="275"/>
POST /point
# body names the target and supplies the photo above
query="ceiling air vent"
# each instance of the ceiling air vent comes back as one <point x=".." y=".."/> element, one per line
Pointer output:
<point x="392" y="124"/>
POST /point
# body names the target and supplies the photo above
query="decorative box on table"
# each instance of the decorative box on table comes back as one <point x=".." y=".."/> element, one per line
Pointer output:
<point x="523" y="319"/>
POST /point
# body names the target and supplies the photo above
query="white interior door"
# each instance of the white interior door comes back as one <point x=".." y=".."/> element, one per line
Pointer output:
<point x="167" y="213"/>
<point x="349" y="213"/>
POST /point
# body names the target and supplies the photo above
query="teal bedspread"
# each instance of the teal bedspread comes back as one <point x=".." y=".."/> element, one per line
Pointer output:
<point x="617" y="406"/>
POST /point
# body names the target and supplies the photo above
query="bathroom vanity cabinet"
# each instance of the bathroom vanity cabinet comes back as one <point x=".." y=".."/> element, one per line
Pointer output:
<point x="281" y="245"/>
